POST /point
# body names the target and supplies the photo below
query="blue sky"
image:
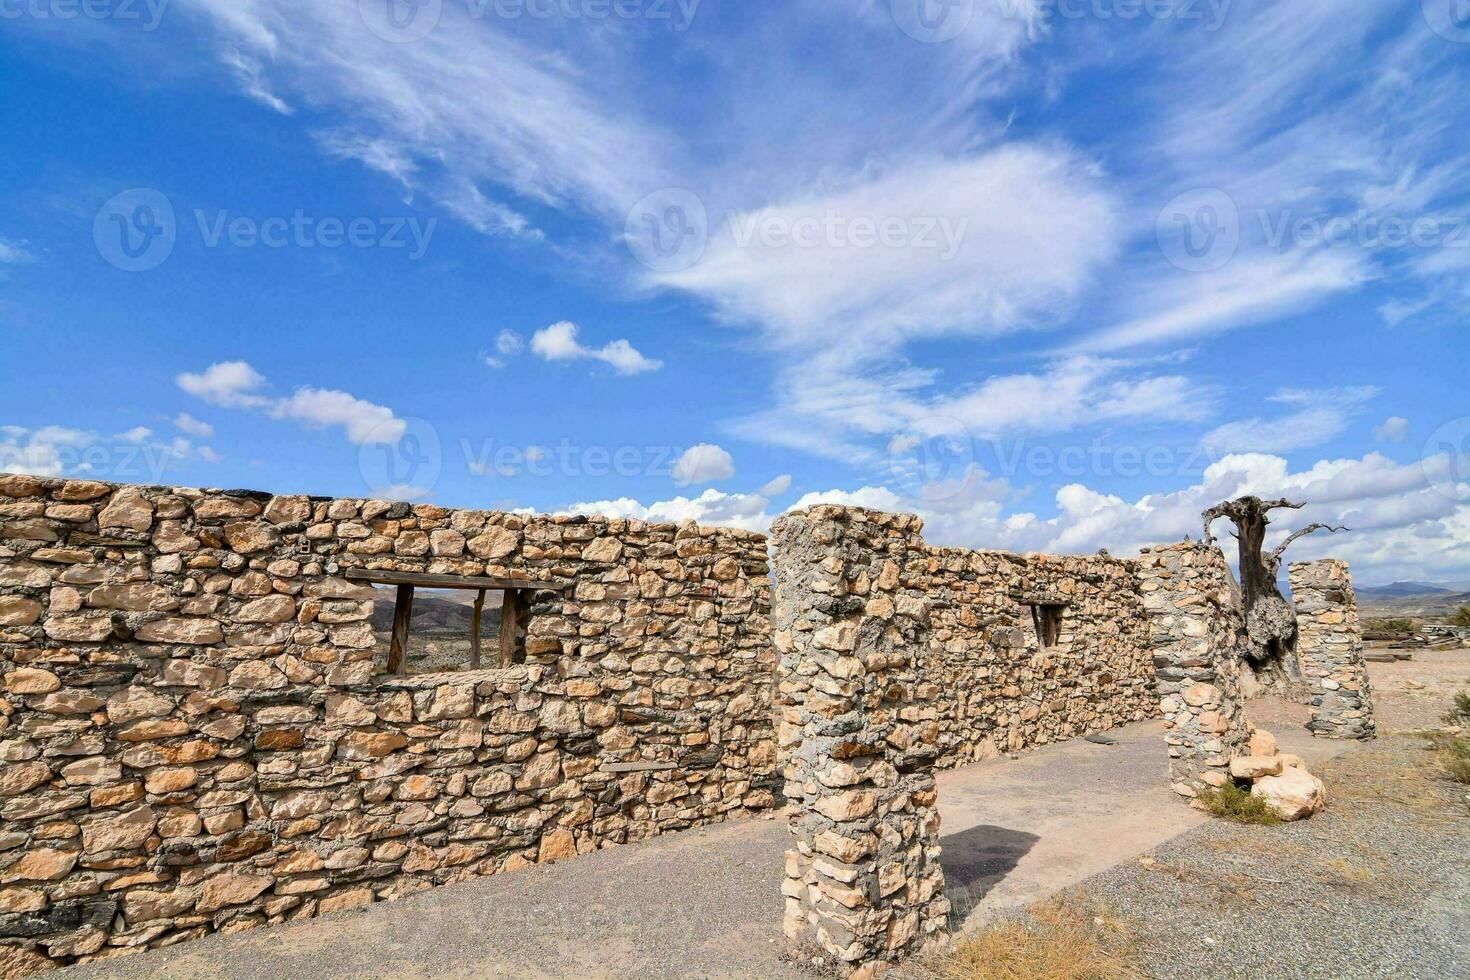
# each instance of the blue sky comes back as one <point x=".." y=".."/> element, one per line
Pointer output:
<point x="1056" y="274"/>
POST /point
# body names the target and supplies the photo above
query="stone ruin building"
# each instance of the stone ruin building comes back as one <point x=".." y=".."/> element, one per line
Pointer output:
<point x="199" y="732"/>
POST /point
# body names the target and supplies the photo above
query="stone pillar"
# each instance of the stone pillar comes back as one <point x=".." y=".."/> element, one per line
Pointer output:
<point x="1198" y="631"/>
<point x="1330" y="650"/>
<point x="858" y="736"/>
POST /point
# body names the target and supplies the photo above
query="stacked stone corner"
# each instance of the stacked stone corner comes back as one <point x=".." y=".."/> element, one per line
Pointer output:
<point x="1197" y="635"/>
<point x="1330" y="650"/>
<point x="857" y="736"/>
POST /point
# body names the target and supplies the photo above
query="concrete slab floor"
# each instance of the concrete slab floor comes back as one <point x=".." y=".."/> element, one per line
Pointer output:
<point x="706" y="903"/>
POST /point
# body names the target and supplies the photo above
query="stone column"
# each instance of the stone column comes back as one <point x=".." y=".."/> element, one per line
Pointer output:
<point x="1330" y="649"/>
<point x="858" y="736"/>
<point x="1198" y="632"/>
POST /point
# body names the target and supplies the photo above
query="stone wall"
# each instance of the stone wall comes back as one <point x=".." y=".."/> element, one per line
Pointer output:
<point x="863" y="882"/>
<point x="193" y="738"/>
<point x="1198" y="632"/>
<point x="1000" y="689"/>
<point x="1330" y="650"/>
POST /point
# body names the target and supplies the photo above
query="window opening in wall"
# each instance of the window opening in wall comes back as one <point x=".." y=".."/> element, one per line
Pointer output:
<point x="1047" y="618"/>
<point x="438" y="621"/>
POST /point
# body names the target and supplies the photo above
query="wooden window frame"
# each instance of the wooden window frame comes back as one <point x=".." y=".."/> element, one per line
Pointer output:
<point x="513" y="608"/>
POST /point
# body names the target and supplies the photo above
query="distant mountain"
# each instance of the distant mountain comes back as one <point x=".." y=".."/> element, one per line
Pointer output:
<point x="1398" y="590"/>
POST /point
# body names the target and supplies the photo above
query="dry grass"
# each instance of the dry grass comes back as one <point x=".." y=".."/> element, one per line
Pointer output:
<point x="1231" y="802"/>
<point x="1055" y="940"/>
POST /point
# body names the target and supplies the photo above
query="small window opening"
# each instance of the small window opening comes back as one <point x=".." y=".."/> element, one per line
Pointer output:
<point x="447" y="622"/>
<point x="1048" y="620"/>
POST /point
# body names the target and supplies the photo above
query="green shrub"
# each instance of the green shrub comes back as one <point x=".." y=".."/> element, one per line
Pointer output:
<point x="1460" y="713"/>
<point x="1233" y="803"/>
<point x="1390" y="625"/>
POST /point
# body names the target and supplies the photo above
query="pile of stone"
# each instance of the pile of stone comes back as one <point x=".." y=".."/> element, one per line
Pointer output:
<point x="1279" y="778"/>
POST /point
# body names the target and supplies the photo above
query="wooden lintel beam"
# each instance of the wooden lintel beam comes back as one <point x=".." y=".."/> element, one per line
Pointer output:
<point x="424" y="580"/>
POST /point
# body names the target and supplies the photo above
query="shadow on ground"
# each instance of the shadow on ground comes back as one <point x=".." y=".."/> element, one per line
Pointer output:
<point x="977" y="859"/>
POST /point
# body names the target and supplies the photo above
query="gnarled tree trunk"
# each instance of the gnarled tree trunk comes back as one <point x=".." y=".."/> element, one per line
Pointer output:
<point x="1270" y="620"/>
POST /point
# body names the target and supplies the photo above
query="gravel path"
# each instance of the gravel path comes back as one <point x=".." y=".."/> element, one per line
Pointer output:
<point x="1377" y="886"/>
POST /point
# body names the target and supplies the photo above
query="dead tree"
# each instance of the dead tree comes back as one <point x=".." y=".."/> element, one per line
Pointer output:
<point x="1269" y="619"/>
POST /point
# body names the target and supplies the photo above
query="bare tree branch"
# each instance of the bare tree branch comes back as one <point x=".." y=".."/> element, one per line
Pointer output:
<point x="1273" y="560"/>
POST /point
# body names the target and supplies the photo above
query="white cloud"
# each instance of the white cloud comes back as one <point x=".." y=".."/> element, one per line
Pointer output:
<point x="777" y="486"/>
<point x="983" y="243"/>
<point x="1320" y="415"/>
<point x="508" y="343"/>
<point x="12" y="254"/>
<point x="704" y="463"/>
<point x="1394" y="429"/>
<point x="230" y="384"/>
<point x="1253" y="289"/>
<point x="711" y="508"/>
<point x="468" y="112"/>
<point x="235" y="384"/>
<point x="837" y="411"/>
<point x="131" y="456"/>
<point x="137" y="434"/>
<point x="363" y="421"/>
<point x="558" y="342"/>
<point x="1408" y="520"/>
<point x="48" y="451"/>
<point x="194" y="427"/>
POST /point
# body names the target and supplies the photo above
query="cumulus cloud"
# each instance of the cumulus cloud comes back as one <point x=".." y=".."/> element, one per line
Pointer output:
<point x="508" y="343"/>
<point x="712" y="508"/>
<point x="558" y="342"/>
<point x="131" y="456"/>
<point x="363" y="421"/>
<point x="235" y="384"/>
<point x="777" y="486"/>
<point x="137" y="434"/>
<point x="1394" y="429"/>
<point x="704" y="463"/>
<point x="187" y="423"/>
<point x="1407" y="520"/>
<point x="229" y="384"/>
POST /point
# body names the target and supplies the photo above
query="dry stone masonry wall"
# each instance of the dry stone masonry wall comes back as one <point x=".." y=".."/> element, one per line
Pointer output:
<point x="1197" y="635"/>
<point x="863" y="882"/>
<point x="1330" y="650"/>
<point x="1001" y="688"/>
<point x="193" y="738"/>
